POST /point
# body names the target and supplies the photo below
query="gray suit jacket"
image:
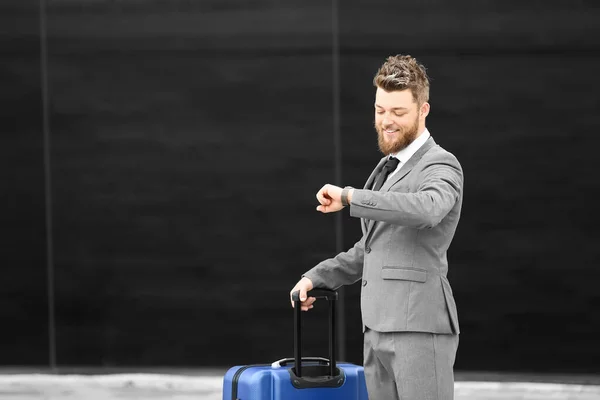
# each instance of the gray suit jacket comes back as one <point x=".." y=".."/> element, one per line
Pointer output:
<point x="401" y="258"/>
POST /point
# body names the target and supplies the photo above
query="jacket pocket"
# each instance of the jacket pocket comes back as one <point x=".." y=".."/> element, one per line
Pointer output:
<point x="404" y="274"/>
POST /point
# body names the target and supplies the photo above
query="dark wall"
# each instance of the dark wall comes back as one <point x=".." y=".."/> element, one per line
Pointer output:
<point x="186" y="141"/>
<point x="23" y="256"/>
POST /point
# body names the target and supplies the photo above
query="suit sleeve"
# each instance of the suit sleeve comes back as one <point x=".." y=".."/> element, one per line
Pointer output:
<point x="439" y="189"/>
<point x="343" y="269"/>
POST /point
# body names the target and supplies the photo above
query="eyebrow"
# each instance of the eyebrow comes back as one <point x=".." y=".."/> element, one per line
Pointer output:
<point x="395" y="108"/>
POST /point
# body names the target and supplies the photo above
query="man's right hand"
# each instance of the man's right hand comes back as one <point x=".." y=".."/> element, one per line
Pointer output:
<point x="303" y="285"/>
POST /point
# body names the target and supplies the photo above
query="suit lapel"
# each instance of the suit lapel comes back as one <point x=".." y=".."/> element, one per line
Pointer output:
<point x="404" y="170"/>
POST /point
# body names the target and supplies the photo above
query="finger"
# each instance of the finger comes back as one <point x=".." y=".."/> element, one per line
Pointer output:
<point x="309" y="301"/>
<point x="321" y="196"/>
<point x="325" y="194"/>
<point x="291" y="298"/>
<point x="308" y="304"/>
<point x="323" y="209"/>
<point x="302" y="294"/>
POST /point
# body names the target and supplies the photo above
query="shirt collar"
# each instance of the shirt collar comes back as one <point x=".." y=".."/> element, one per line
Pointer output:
<point x="406" y="153"/>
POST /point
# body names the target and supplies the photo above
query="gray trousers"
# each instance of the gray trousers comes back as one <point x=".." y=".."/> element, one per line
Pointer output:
<point x="409" y="365"/>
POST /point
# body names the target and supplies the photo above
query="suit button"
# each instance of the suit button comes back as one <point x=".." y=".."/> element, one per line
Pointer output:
<point x="364" y="283"/>
<point x="368" y="250"/>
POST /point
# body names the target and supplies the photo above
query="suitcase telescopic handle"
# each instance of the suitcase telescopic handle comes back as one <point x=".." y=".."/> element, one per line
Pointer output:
<point x="318" y="294"/>
<point x="330" y="295"/>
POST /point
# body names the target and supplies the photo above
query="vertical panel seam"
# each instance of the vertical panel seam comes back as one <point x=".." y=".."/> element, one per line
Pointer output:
<point x="47" y="185"/>
<point x="337" y="144"/>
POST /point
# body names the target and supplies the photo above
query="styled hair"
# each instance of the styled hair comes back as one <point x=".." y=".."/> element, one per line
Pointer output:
<point x="402" y="72"/>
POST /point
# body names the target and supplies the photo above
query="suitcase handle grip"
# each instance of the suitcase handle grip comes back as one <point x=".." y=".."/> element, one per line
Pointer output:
<point x="317" y="293"/>
<point x="285" y="361"/>
<point x="330" y="295"/>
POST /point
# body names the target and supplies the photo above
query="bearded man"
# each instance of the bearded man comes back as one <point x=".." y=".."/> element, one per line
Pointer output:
<point x="409" y="210"/>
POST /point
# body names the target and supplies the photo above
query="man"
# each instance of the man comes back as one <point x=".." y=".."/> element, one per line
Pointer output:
<point x="408" y="220"/>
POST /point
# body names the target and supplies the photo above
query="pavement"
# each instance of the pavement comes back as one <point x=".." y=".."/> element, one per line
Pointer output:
<point x="207" y="385"/>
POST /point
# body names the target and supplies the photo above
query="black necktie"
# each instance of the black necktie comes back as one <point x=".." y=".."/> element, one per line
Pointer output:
<point x="390" y="165"/>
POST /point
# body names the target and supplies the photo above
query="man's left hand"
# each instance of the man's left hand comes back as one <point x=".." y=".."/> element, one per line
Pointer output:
<point x="330" y="197"/>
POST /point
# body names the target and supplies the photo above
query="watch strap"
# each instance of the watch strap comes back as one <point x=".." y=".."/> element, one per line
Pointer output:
<point x="344" y="196"/>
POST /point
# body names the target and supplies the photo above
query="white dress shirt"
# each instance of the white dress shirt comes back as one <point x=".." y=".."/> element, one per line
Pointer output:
<point x="406" y="153"/>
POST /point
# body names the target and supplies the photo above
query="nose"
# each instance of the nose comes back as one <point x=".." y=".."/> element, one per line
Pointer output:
<point x="386" y="121"/>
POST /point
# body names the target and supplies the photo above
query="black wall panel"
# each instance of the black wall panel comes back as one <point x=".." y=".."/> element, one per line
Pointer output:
<point x="23" y="287"/>
<point x="189" y="142"/>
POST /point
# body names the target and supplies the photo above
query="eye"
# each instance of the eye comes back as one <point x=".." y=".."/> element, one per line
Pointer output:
<point x="379" y="111"/>
<point x="399" y="114"/>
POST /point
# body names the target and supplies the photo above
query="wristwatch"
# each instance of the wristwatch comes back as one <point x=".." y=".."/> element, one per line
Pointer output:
<point x="344" y="196"/>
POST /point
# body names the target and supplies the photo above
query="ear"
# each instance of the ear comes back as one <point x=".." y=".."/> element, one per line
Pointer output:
<point x="424" y="111"/>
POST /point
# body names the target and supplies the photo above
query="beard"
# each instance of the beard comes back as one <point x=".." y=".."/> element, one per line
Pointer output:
<point x="405" y="136"/>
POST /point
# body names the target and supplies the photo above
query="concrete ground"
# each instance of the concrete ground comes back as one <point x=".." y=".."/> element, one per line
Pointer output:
<point x="206" y="385"/>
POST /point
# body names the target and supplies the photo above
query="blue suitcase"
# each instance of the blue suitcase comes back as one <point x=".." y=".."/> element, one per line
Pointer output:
<point x="312" y="378"/>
